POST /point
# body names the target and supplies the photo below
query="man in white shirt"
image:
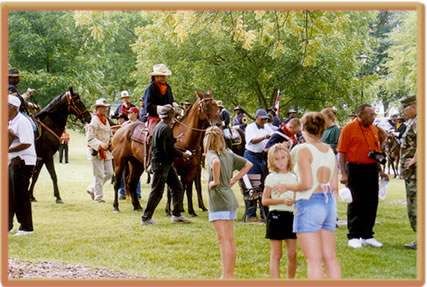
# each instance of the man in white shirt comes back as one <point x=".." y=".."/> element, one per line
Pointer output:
<point x="22" y="159"/>
<point x="256" y="135"/>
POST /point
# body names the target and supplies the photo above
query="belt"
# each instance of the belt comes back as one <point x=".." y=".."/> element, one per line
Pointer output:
<point x="255" y="152"/>
<point x="359" y="163"/>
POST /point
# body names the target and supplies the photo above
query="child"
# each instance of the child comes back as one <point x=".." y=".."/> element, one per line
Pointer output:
<point x="281" y="206"/>
<point x="221" y="199"/>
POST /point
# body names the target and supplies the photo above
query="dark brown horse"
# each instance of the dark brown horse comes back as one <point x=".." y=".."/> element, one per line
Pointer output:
<point x="127" y="150"/>
<point x="52" y="120"/>
<point x="392" y="148"/>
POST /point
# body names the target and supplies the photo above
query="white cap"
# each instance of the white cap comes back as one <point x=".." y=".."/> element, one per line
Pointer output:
<point x="13" y="100"/>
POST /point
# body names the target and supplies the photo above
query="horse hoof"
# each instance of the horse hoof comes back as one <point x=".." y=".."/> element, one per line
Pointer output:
<point x="138" y="209"/>
<point x="204" y="209"/>
<point x="193" y="215"/>
<point x="116" y="211"/>
<point x="59" y="201"/>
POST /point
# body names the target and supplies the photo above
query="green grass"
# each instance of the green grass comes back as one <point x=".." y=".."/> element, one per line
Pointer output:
<point x="83" y="232"/>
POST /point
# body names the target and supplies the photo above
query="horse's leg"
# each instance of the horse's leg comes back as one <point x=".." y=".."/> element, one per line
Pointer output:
<point x="168" y="202"/>
<point x="37" y="169"/>
<point x="135" y="170"/>
<point x="51" y="169"/>
<point x="397" y="163"/>
<point x="198" y="184"/>
<point x="189" y="191"/>
<point x="148" y="177"/>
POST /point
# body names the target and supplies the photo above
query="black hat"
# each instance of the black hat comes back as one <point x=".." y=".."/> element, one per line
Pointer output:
<point x="238" y="108"/>
<point x="14" y="73"/>
<point x="122" y="115"/>
<point x="272" y="108"/>
<point x="141" y="98"/>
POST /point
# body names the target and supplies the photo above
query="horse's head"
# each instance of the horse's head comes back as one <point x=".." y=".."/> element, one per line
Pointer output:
<point x="76" y="106"/>
<point x="208" y="109"/>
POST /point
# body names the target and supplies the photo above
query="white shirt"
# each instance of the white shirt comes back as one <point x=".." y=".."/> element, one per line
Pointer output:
<point x="23" y="130"/>
<point x="252" y="132"/>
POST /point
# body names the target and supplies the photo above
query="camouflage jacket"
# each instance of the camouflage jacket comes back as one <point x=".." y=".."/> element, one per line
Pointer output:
<point x="408" y="148"/>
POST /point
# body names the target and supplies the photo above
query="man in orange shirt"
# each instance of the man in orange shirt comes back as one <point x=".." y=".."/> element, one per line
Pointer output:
<point x="63" y="148"/>
<point x="359" y="155"/>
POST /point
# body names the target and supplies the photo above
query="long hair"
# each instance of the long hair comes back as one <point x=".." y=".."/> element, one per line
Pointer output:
<point x="277" y="148"/>
<point x="214" y="140"/>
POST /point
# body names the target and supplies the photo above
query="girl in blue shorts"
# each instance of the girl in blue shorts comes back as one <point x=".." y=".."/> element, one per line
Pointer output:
<point x="222" y="202"/>
<point x="281" y="206"/>
<point x="314" y="222"/>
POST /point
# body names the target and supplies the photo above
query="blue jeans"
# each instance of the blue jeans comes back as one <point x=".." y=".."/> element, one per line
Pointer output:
<point x="257" y="159"/>
<point x="122" y="188"/>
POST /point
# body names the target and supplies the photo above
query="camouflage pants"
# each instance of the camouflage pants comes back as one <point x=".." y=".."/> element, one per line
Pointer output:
<point x="411" y="200"/>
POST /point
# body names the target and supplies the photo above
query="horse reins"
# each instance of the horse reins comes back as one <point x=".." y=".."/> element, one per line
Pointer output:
<point x="48" y="129"/>
<point x="195" y="129"/>
<point x="73" y="106"/>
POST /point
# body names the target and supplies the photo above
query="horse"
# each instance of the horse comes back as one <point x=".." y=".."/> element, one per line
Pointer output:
<point x="238" y="142"/>
<point x="51" y="122"/>
<point x="392" y="147"/>
<point x="127" y="149"/>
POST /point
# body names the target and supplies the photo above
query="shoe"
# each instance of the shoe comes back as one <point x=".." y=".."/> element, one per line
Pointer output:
<point x="148" y="222"/>
<point x="23" y="232"/>
<point x="412" y="245"/>
<point x="253" y="220"/>
<point x="372" y="241"/>
<point x="91" y="194"/>
<point x="355" y="243"/>
<point x="179" y="219"/>
<point x="122" y="197"/>
<point x="99" y="201"/>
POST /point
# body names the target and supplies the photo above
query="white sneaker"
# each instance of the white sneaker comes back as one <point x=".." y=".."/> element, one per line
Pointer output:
<point x="372" y="241"/>
<point x="355" y="243"/>
<point x="23" y="232"/>
<point x="180" y="219"/>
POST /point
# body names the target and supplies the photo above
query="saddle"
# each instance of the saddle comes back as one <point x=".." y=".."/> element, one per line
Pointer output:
<point x="141" y="134"/>
<point x="233" y="135"/>
<point x="256" y="191"/>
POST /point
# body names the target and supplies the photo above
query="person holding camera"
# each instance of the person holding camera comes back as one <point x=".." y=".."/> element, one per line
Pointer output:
<point x="359" y="158"/>
<point x="99" y="136"/>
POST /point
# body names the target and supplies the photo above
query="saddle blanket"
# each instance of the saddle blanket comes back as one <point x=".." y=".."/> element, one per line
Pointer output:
<point x="234" y="135"/>
<point x="139" y="133"/>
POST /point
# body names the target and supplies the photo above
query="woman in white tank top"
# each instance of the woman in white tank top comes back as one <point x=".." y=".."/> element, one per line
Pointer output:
<point x="315" y="218"/>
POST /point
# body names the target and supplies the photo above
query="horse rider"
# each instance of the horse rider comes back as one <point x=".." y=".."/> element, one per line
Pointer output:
<point x="224" y="114"/>
<point x="272" y="111"/>
<point x="142" y="111"/>
<point x="186" y="104"/>
<point x="291" y="114"/>
<point x="99" y="136"/>
<point x="157" y="94"/>
<point x="408" y="161"/>
<point x="124" y="107"/>
<point x="163" y="153"/>
<point x="240" y="119"/>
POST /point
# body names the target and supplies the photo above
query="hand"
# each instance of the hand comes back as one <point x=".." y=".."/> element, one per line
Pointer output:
<point x="267" y="136"/>
<point x="104" y="146"/>
<point x="289" y="202"/>
<point x="211" y="185"/>
<point x="344" y="179"/>
<point x="385" y="176"/>
<point x="232" y="182"/>
<point x="409" y="162"/>
<point x="281" y="188"/>
<point x="30" y="92"/>
<point x="179" y="137"/>
<point x="186" y="156"/>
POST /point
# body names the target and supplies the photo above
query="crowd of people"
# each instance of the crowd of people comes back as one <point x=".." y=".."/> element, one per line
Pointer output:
<point x="298" y="165"/>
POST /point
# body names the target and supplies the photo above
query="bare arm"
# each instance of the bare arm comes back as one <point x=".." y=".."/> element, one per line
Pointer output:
<point x="216" y="171"/>
<point x="241" y="173"/>
<point x="341" y="164"/>
<point x="258" y="140"/>
<point x="19" y="147"/>
<point x="267" y="200"/>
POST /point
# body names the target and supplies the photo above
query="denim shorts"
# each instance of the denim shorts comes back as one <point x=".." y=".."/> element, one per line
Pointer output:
<point x="223" y="215"/>
<point x="318" y="212"/>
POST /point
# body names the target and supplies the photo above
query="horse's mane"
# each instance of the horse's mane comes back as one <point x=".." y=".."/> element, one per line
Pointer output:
<point x="51" y="107"/>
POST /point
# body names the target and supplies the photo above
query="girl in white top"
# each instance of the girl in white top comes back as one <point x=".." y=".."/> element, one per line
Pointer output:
<point x="315" y="217"/>
<point x="281" y="206"/>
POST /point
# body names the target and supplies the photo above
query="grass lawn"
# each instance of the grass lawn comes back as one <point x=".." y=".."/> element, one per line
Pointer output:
<point x="83" y="232"/>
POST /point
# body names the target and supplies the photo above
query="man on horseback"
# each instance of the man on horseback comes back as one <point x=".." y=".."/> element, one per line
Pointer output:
<point x="408" y="155"/>
<point x="240" y="119"/>
<point x="163" y="153"/>
<point x="157" y="94"/>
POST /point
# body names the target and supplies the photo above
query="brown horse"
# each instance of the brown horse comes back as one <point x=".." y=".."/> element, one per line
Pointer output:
<point x="392" y="147"/>
<point x="126" y="150"/>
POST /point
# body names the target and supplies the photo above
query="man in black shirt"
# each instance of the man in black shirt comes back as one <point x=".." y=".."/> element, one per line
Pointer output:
<point x="163" y="153"/>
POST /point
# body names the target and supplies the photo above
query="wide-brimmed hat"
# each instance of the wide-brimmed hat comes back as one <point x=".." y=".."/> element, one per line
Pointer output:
<point x="219" y="104"/>
<point x="407" y="101"/>
<point x="14" y="73"/>
<point x="102" y="102"/>
<point x="291" y="111"/>
<point x="160" y="70"/>
<point x="165" y="111"/>
<point x="272" y="108"/>
<point x="238" y="108"/>
<point x="124" y="94"/>
<point x="14" y="101"/>
<point x="261" y="113"/>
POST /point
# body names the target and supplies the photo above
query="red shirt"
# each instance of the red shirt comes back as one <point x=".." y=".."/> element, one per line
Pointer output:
<point x="356" y="142"/>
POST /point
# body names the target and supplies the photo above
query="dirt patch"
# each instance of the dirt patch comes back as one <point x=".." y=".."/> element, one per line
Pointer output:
<point x="19" y="269"/>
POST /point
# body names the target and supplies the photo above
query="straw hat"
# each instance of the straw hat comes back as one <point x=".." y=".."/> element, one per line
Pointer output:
<point x="102" y="102"/>
<point x="160" y="70"/>
<point x="219" y="104"/>
<point x="124" y="94"/>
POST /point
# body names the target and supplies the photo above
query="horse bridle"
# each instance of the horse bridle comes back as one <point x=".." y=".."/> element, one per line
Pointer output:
<point x="72" y="106"/>
<point x="201" y="109"/>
